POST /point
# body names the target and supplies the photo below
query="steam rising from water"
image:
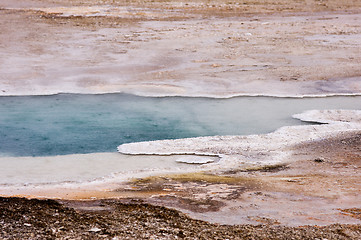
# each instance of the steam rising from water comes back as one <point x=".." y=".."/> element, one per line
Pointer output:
<point x="72" y="124"/>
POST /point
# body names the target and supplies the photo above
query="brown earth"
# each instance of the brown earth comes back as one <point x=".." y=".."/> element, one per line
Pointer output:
<point x="111" y="219"/>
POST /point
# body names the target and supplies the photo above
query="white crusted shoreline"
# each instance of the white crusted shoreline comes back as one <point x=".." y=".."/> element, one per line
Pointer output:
<point x="215" y="96"/>
<point x="237" y="152"/>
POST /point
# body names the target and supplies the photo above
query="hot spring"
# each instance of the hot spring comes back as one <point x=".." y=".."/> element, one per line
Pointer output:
<point x="71" y="137"/>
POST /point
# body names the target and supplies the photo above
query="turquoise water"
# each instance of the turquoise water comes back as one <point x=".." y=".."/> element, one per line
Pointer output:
<point x="70" y="123"/>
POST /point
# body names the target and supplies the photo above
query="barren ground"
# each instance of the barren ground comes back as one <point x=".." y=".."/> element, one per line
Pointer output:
<point x="163" y="48"/>
<point x="109" y="219"/>
<point x="197" y="48"/>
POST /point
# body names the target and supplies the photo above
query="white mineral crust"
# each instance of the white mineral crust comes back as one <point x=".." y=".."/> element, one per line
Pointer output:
<point x="265" y="149"/>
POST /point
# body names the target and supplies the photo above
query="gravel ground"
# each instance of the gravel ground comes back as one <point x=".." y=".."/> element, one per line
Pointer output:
<point x="111" y="219"/>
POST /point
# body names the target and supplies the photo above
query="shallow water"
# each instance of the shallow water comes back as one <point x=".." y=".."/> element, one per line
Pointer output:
<point x="80" y="168"/>
<point x="72" y="124"/>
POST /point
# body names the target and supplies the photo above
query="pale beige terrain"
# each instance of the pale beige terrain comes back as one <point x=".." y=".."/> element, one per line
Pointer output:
<point x="163" y="48"/>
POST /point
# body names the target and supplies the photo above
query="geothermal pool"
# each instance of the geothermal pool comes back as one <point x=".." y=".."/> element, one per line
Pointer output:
<point x="72" y="124"/>
<point x="73" y="138"/>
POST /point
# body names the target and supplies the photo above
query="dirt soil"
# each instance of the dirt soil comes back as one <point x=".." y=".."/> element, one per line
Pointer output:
<point x="112" y="219"/>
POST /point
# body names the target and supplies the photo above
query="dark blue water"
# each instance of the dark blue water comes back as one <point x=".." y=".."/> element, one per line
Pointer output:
<point x="68" y="123"/>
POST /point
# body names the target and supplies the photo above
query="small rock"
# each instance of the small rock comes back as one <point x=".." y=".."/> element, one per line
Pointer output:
<point x="94" y="229"/>
<point x="27" y="224"/>
<point x="318" y="160"/>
